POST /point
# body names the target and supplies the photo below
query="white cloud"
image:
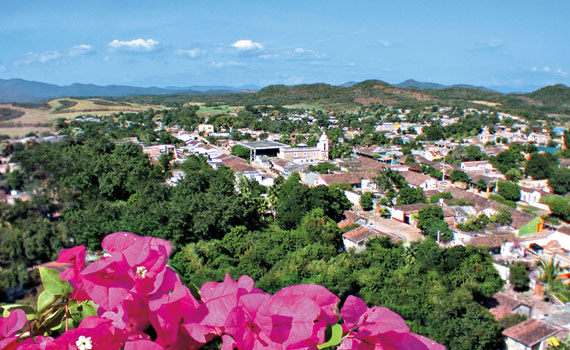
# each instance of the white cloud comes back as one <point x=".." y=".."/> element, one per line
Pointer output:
<point x="549" y="70"/>
<point x="226" y="64"/>
<point x="81" y="50"/>
<point x="490" y="44"/>
<point x="269" y="56"/>
<point x="246" y="45"/>
<point x="192" y="53"/>
<point x="53" y="56"/>
<point x="302" y="51"/>
<point x="135" y="45"/>
<point x="561" y="72"/>
<point x="385" y="43"/>
<point x="493" y="43"/>
<point x="38" y="58"/>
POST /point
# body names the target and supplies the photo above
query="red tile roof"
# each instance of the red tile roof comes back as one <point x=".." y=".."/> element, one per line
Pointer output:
<point x="360" y="234"/>
<point x="330" y="179"/>
<point x="238" y="165"/>
<point x="350" y="218"/>
<point x="504" y="305"/>
<point x="531" y="332"/>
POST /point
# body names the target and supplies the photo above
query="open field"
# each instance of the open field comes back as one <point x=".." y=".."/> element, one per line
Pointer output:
<point x="213" y="110"/>
<point x="33" y="120"/>
<point x="305" y="106"/>
<point x="71" y="107"/>
<point x="39" y="120"/>
<point x="486" y="103"/>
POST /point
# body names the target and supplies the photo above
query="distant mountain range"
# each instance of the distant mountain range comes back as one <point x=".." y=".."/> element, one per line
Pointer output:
<point x="19" y="90"/>
<point x="413" y="84"/>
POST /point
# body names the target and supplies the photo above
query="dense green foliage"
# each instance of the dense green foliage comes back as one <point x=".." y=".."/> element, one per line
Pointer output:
<point x="430" y="221"/>
<point x="27" y="238"/>
<point x="519" y="276"/>
<point x="559" y="180"/>
<point x="366" y="201"/>
<point x="323" y="168"/>
<point x="240" y="151"/>
<point x="560" y="206"/>
<point x="458" y="176"/>
<point x="510" y="191"/>
<point x="433" y="288"/>
<point x="540" y="165"/>
<point x="296" y="199"/>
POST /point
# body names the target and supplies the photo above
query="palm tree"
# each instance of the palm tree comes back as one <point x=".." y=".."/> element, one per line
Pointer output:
<point x="548" y="272"/>
<point x="273" y="198"/>
<point x="459" y="153"/>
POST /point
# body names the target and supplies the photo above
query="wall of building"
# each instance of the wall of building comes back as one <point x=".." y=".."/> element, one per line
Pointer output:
<point x="533" y="226"/>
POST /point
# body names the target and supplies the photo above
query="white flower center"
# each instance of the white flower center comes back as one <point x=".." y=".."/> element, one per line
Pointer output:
<point x="141" y="271"/>
<point x="84" y="343"/>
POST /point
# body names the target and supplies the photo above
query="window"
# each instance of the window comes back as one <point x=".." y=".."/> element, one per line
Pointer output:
<point x="305" y="154"/>
<point x="295" y="154"/>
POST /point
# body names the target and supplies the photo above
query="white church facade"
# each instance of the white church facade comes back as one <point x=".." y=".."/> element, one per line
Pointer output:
<point x="307" y="154"/>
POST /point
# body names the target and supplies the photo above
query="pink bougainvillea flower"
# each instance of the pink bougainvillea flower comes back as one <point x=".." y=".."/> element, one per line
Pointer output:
<point x="107" y="281"/>
<point x="131" y="245"/>
<point x="142" y="345"/>
<point x="378" y="328"/>
<point x="74" y="256"/>
<point x="292" y="322"/>
<point x="221" y="298"/>
<point x="40" y="343"/>
<point x="240" y="323"/>
<point x="232" y="307"/>
<point x="145" y="256"/>
<point x="132" y="315"/>
<point x="327" y="301"/>
<point x="10" y="326"/>
<point x="169" y="306"/>
<point x="93" y="333"/>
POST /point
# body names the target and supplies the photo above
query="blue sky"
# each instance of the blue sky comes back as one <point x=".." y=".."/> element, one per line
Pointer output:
<point x="514" y="44"/>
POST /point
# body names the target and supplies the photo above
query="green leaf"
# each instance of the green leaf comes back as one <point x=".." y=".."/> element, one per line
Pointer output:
<point x="45" y="301"/>
<point x="55" y="320"/>
<point x="79" y="311"/>
<point x="53" y="284"/>
<point x="30" y="312"/>
<point x="336" y="337"/>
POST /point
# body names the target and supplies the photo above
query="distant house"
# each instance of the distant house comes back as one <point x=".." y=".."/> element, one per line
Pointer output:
<point x="407" y="213"/>
<point x="502" y="305"/>
<point x="532" y="197"/>
<point x="352" y="217"/>
<point x="486" y="136"/>
<point x="432" y="155"/>
<point x="356" y="239"/>
<point x="206" y="128"/>
<point x="541" y="184"/>
<point x="523" y="223"/>
<point x="539" y="139"/>
<point x="481" y="166"/>
<point x="417" y="180"/>
<point x="351" y="178"/>
<point x="531" y="334"/>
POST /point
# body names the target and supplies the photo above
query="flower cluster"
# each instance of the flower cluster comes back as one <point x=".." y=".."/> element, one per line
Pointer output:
<point x="137" y="294"/>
